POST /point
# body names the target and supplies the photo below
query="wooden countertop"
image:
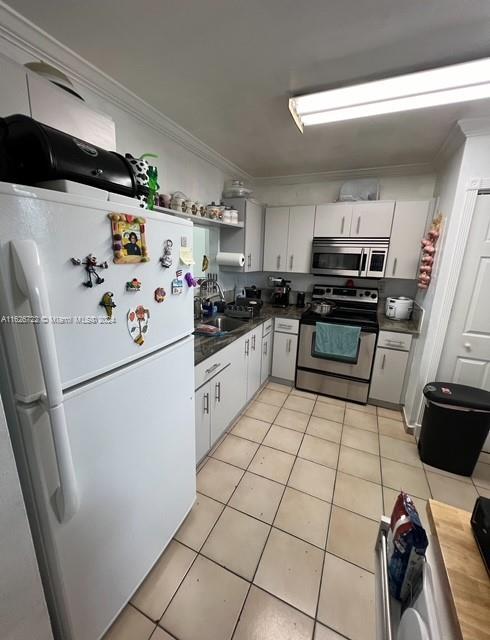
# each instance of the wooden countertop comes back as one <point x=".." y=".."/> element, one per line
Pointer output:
<point x="466" y="573"/>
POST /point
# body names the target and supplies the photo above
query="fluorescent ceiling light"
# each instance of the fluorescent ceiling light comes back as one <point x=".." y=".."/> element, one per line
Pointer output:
<point x="447" y="85"/>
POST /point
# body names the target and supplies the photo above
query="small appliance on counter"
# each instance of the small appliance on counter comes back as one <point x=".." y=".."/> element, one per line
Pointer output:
<point x="399" y="308"/>
<point x="480" y="524"/>
<point x="252" y="293"/>
<point x="280" y="295"/>
<point x="300" y="299"/>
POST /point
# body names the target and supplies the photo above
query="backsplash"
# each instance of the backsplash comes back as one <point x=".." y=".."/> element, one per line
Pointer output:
<point x="305" y="281"/>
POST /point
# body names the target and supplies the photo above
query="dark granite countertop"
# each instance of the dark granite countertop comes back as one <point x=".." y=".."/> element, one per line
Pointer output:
<point x="207" y="346"/>
<point x="411" y="326"/>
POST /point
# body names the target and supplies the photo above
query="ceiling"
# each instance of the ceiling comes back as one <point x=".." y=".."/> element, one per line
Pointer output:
<point x="224" y="69"/>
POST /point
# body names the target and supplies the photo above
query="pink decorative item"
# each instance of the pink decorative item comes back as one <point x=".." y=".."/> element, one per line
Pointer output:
<point x="428" y="250"/>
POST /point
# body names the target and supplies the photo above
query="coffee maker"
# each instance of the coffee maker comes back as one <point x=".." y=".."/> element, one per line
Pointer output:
<point x="280" y="295"/>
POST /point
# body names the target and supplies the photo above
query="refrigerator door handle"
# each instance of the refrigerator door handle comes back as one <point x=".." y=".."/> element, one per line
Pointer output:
<point x="31" y="282"/>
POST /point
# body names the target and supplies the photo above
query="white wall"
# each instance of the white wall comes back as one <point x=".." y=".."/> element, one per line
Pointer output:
<point x="471" y="160"/>
<point x="178" y="168"/>
<point x="23" y="612"/>
<point x="318" y="192"/>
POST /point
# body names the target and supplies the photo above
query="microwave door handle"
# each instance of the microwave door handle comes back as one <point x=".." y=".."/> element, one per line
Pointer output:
<point x="364" y="256"/>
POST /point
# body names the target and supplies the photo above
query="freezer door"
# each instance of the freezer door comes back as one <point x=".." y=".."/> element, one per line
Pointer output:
<point x="132" y="440"/>
<point x="64" y="227"/>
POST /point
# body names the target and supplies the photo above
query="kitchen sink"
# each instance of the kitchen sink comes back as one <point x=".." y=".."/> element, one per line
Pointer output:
<point x="224" y="323"/>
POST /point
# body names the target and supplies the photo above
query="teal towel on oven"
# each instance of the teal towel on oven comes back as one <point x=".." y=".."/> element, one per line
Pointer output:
<point x="337" y="341"/>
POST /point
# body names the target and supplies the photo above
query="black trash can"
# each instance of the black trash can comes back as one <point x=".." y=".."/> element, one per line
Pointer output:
<point x="455" y="425"/>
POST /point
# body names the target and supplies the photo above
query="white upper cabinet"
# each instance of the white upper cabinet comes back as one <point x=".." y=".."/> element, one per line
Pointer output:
<point x="288" y="237"/>
<point x="276" y="239"/>
<point x="372" y="219"/>
<point x="300" y="236"/>
<point x="246" y="240"/>
<point x="333" y="220"/>
<point x="354" y="219"/>
<point x="408" y="229"/>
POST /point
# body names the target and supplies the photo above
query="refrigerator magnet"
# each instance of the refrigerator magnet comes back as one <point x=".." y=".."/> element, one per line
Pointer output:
<point x="177" y="286"/>
<point x="108" y="303"/>
<point x="191" y="281"/>
<point x="128" y="238"/>
<point x="91" y="265"/>
<point x="133" y="285"/>
<point x="160" y="294"/>
<point x="166" y="259"/>
<point x="138" y="320"/>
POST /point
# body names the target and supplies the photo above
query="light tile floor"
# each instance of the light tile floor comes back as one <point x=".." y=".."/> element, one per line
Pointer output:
<point x="279" y="544"/>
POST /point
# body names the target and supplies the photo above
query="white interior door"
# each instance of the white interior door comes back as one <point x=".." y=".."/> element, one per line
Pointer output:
<point x="300" y="237"/>
<point x="466" y="354"/>
<point x="133" y="445"/>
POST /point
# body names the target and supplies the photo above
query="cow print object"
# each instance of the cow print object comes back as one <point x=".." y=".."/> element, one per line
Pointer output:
<point x="141" y="175"/>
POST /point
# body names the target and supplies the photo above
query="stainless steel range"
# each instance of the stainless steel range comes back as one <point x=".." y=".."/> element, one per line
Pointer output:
<point x="329" y="376"/>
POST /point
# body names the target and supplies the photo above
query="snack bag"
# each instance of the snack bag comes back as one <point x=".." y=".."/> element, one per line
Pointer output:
<point x="407" y="543"/>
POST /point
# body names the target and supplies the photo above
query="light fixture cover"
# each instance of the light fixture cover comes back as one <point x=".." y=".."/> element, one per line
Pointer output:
<point x="446" y="85"/>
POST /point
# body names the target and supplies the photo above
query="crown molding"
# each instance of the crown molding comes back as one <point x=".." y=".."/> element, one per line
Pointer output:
<point x="399" y="170"/>
<point x="16" y="30"/>
<point x="460" y="131"/>
<point x="471" y="127"/>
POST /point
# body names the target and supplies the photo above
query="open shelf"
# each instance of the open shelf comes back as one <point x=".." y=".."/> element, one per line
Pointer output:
<point x="200" y="221"/>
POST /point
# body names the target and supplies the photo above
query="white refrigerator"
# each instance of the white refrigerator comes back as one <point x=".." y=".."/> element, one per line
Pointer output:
<point x="102" y="424"/>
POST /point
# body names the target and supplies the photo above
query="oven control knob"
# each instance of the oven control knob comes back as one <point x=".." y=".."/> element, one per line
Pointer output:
<point x="367" y="293"/>
<point x="360" y="295"/>
<point x="328" y="290"/>
<point x="373" y="295"/>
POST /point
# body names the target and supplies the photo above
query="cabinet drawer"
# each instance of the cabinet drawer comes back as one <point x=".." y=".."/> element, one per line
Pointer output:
<point x="267" y="327"/>
<point x="286" y="325"/>
<point x="395" y="340"/>
<point x="208" y="368"/>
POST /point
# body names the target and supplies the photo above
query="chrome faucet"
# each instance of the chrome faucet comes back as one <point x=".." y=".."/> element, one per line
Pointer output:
<point x="198" y="300"/>
<point x="216" y="285"/>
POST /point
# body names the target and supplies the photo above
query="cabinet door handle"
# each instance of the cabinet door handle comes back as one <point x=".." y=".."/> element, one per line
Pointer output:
<point x="397" y="343"/>
<point x="395" y="262"/>
<point x="383" y="361"/>
<point x="358" y="225"/>
<point x="217" y="388"/>
<point x="282" y="325"/>
<point x="249" y="260"/>
<point x="291" y="259"/>
<point x="213" y="368"/>
<point x="253" y="342"/>
<point x="342" y="225"/>
<point x="247" y="347"/>
<point x="288" y="346"/>
<point x="278" y="262"/>
<point x="265" y="348"/>
<point x="206" y="403"/>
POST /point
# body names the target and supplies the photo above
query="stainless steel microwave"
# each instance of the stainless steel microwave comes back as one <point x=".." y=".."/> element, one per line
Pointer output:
<point x="350" y="257"/>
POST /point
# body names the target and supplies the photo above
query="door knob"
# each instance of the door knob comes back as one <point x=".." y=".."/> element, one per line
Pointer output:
<point x="467" y="345"/>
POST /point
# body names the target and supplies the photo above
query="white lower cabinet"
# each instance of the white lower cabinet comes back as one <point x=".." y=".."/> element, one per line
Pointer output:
<point x="266" y="366"/>
<point x="388" y="375"/>
<point x="227" y="382"/>
<point x="202" y="401"/>
<point x="284" y="355"/>
<point x="254" y="355"/>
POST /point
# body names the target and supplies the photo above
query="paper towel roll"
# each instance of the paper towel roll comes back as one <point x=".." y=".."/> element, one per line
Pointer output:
<point x="230" y="259"/>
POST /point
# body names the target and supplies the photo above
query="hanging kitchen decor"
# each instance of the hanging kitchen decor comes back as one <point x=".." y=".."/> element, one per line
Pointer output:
<point x="133" y="285"/>
<point x="428" y="252"/>
<point x="138" y="319"/>
<point x="128" y="238"/>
